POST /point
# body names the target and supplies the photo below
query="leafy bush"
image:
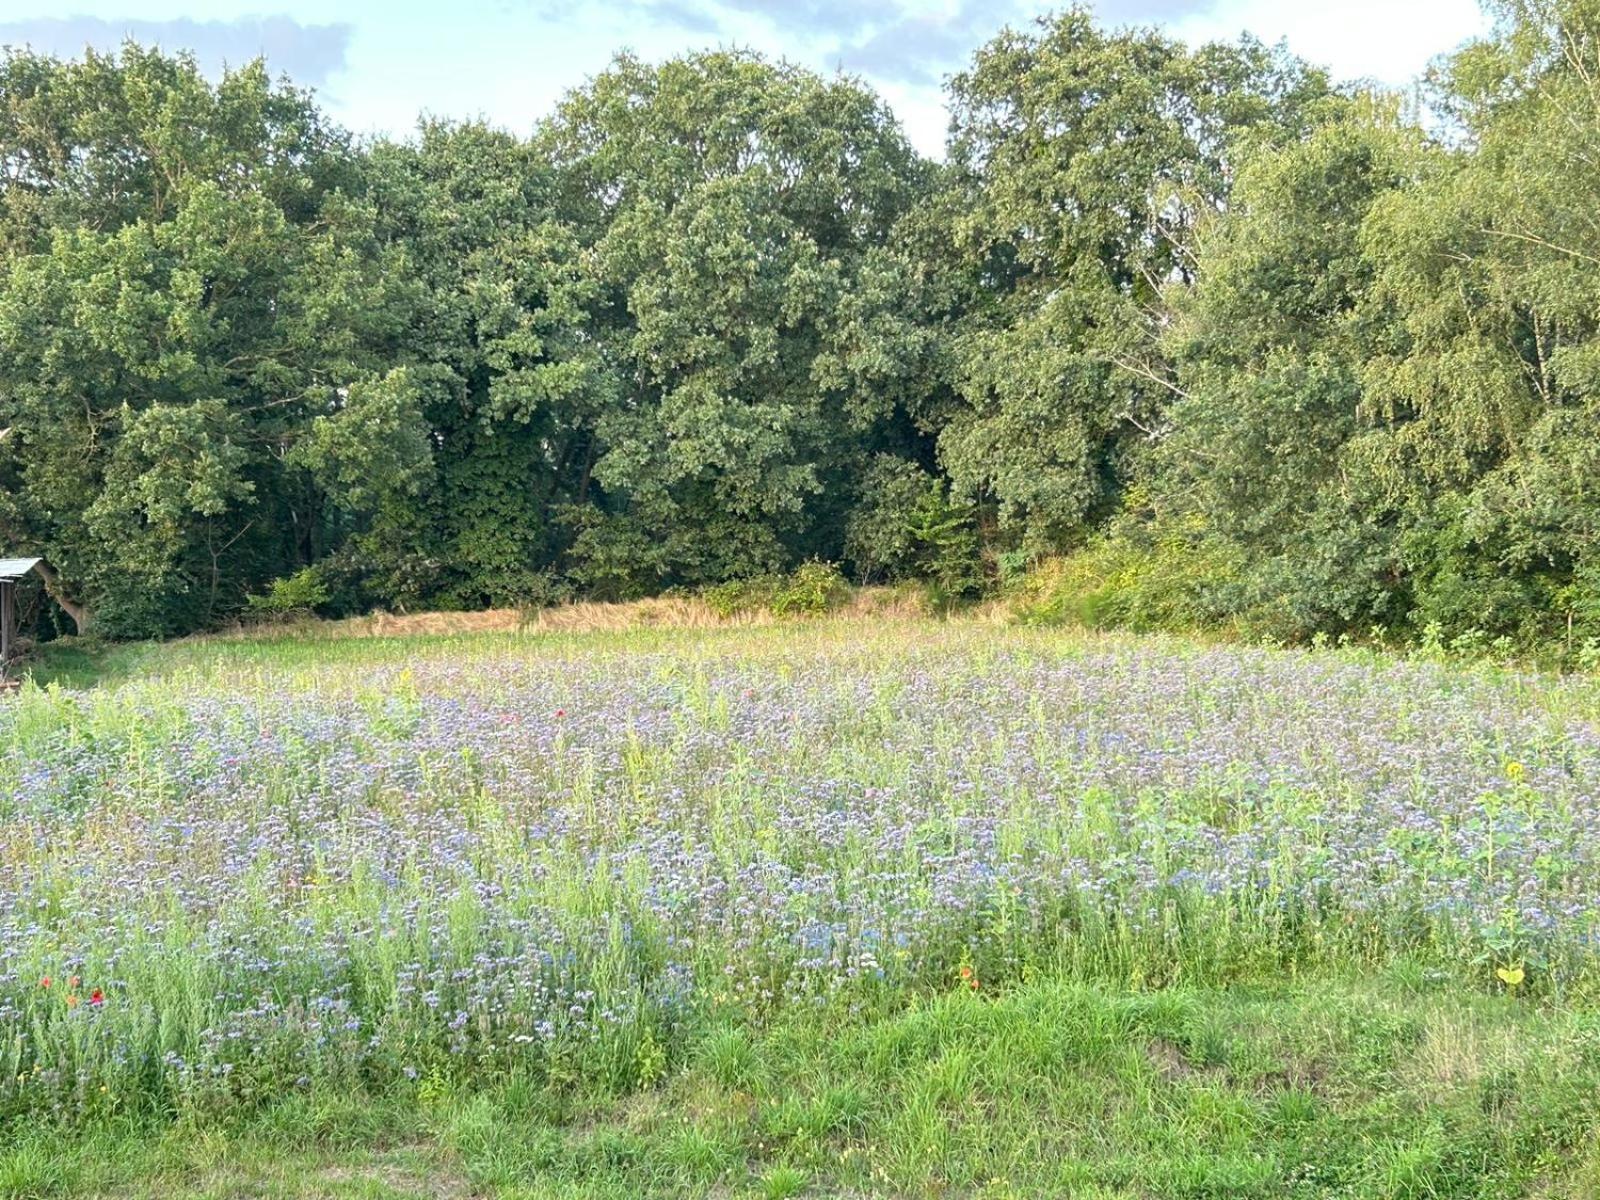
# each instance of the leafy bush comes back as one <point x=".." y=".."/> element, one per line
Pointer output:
<point x="299" y="594"/>
<point x="1137" y="577"/>
<point x="880" y="534"/>
<point x="743" y="595"/>
<point x="811" y="589"/>
<point x="907" y="527"/>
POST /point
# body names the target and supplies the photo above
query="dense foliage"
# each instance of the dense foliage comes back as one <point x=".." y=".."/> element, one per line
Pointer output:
<point x="1244" y="346"/>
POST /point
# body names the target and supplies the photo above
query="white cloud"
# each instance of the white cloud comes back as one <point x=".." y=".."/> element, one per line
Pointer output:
<point x="1391" y="41"/>
<point x="386" y="61"/>
<point x="308" y="52"/>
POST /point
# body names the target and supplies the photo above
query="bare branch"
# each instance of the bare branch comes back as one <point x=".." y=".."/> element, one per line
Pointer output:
<point x="1144" y="372"/>
<point x="1539" y="241"/>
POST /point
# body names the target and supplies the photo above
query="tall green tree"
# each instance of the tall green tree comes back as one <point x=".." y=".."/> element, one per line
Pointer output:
<point x="1081" y="161"/>
<point x="187" y="287"/>
<point x="1389" y="360"/>
<point x="512" y="383"/>
<point x="1486" y="396"/>
<point x="1269" y="350"/>
<point x="741" y="214"/>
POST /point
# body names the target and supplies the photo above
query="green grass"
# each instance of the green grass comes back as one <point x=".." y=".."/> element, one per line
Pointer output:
<point x="92" y="663"/>
<point x="1400" y="1086"/>
<point x="88" y="662"/>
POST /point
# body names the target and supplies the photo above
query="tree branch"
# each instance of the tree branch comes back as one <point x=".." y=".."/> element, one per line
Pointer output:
<point x="80" y="614"/>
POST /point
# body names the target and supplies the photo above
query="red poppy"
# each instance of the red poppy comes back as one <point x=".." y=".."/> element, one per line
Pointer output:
<point x="561" y="712"/>
<point x="97" y="997"/>
<point x="45" y="982"/>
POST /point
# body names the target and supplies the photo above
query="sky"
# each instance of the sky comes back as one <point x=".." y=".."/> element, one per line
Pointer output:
<point x="378" y="65"/>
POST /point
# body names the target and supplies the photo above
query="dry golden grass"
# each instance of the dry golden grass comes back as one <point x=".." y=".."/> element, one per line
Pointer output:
<point x="494" y="620"/>
<point x="660" y="612"/>
<point x="674" y="612"/>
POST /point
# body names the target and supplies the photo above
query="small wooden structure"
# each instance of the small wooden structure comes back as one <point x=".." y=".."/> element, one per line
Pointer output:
<point x="11" y="570"/>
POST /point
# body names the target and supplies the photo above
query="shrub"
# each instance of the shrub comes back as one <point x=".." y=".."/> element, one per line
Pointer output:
<point x="299" y="594"/>
<point x="743" y="595"/>
<point x="880" y="535"/>
<point x="811" y="589"/>
<point x="1137" y="577"/>
<point x="908" y="527"/>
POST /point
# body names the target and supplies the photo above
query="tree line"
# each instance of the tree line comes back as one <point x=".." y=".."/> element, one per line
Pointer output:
<point x="1224" y="340"/>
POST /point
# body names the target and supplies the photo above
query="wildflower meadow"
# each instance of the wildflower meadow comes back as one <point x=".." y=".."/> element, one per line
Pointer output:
<point x="426" y="871"/>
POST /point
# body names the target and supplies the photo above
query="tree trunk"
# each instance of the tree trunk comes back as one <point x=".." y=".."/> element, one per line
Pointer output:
<point x="80" y="614"/>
